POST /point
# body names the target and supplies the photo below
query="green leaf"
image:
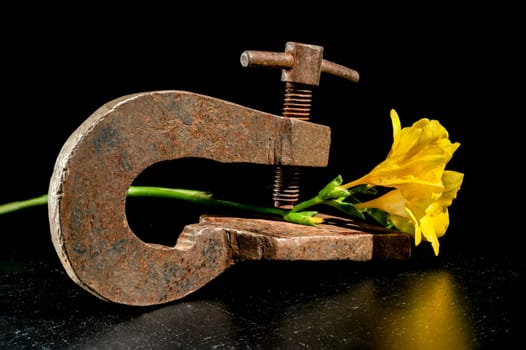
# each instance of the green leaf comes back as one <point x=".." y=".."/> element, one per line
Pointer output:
<point x="333" y="190"/>
<point x="346" y="207"/>
<point x="380" y="216"/>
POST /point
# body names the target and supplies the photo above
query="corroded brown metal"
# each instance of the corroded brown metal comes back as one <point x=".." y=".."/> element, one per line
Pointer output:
<point x="343" y="239"/>
<point x="101" y="159"/>
<point x="300" y="63"/>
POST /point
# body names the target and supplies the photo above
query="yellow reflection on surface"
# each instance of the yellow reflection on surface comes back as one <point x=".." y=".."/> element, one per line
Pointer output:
<point x="432" y="319"/>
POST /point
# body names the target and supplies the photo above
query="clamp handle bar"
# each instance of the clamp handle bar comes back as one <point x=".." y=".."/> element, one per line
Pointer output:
<point x="301" y="63"/>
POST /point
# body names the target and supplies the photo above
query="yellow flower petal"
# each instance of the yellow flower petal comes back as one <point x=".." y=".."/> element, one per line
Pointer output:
<point x="428" y="232"/>
<point x="418" y="227"/>
<point x="397" y="126"/>
<point x="392" y="202"/>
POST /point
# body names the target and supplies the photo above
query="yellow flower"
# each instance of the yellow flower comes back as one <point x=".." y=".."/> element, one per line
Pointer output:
<point x="415" y="218"/>
<point x="415" y="168"/>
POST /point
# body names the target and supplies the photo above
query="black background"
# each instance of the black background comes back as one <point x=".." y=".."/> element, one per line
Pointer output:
<point x="460" y="66"/>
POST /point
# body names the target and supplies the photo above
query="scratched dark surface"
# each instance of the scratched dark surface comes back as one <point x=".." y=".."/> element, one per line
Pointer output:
<point x="454" y="303"/>
<point x="460" y="66"/>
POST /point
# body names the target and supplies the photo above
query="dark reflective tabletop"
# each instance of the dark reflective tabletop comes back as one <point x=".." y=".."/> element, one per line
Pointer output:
<point x="451" y="302"/>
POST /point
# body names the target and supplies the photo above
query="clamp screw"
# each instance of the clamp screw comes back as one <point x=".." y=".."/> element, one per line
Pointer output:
<point x="301" y="65"/>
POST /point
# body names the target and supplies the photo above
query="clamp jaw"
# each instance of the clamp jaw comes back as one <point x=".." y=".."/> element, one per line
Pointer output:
<point x="100" y="160"/>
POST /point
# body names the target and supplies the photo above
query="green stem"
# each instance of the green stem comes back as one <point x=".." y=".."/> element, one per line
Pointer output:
<point x="19" y="205"/>
<point x="307" y="204"/>
<point x="199" y="197"/>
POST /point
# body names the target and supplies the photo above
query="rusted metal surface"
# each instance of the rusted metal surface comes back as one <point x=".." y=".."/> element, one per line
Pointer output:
<point x="300" y="63"/>
<point x="102" y="158"/>
<point x="263" y="239"/>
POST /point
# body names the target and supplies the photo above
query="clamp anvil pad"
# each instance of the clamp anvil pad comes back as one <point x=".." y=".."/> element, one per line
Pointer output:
<point x="100" y="160"/>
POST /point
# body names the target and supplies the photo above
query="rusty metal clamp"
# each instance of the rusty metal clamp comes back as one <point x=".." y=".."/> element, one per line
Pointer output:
<point x="101" y="159"/>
